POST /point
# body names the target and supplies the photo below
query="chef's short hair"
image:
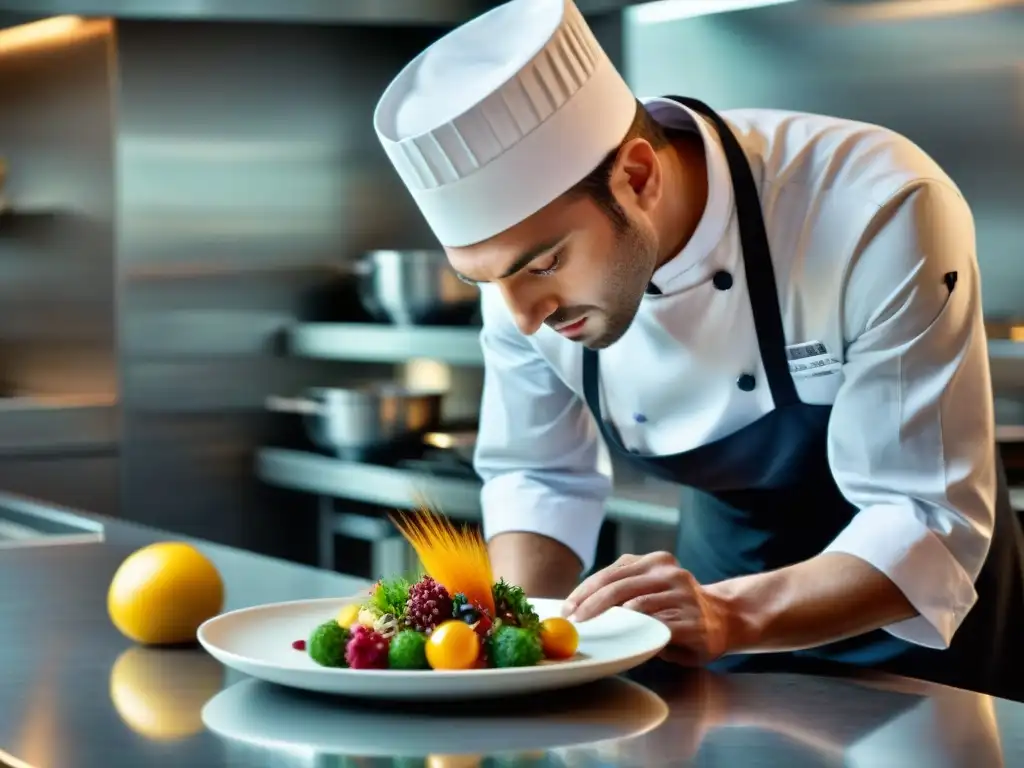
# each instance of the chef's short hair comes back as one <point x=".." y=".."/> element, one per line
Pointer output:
<point x="595" y="184"/>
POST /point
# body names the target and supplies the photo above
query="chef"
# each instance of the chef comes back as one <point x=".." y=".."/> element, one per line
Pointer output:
<point x="780" y="312"/>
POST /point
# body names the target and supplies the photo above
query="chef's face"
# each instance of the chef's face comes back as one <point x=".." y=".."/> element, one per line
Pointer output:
<point x="581" y="264"/>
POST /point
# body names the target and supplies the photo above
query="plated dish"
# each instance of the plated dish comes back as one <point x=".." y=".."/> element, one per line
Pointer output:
<point x="451" y="632"/>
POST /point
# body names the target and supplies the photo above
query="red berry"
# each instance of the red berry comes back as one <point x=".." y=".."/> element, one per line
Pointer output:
<point x="428" y="605"/>
<point x="299" y="645"/>
<point x="366" y="649"/>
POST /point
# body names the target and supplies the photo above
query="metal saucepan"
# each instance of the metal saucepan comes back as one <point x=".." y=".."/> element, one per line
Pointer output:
<point x="374" y="421"/>
<point x="414" y="288"/>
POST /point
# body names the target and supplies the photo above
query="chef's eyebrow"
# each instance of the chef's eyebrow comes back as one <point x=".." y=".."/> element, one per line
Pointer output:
<point x="522" y="259"/>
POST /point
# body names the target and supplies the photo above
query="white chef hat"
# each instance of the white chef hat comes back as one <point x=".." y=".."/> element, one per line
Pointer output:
<point x="501" y="116"/>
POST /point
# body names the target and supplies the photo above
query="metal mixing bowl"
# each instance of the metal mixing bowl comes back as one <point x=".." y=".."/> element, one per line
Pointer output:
<point x="376" y="421"/>
<point x="415" y="288"/>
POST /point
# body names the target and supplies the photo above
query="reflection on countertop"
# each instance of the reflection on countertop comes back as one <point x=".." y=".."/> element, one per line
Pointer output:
<point x="255" y="714"/>
<point x="651" y="717"/>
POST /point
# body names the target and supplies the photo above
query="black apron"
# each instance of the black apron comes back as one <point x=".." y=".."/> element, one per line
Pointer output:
<point x="764" y="497"/>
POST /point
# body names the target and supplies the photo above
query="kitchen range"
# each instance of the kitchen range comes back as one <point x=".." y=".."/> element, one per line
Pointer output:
<point x="74" y="693"/>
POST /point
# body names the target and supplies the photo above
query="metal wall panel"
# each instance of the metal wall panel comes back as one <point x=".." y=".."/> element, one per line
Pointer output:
<point x="58" y="383"/>
<point x="247" y="172"/>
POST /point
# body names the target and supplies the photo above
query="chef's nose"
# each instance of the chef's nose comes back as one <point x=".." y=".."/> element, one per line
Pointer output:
<point x="529" y="309"/>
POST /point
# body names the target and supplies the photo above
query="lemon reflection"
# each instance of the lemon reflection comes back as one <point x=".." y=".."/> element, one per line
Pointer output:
<point x="160" y="693"/>
<point x="518" y="760"/>
<point x="454" y="761"/>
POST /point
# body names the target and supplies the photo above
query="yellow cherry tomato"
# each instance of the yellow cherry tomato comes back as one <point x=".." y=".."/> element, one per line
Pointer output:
<point x="453" y="645"/>
<point x="558" y="638"/>
<point x="348" y="615"/>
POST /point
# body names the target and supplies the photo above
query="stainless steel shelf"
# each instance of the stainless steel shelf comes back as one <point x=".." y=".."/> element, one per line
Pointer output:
<point x="636" y="499"/>
<point x="373" y="343"/>
<point x="41" y="425"/>
<point x="1005" y="349"/>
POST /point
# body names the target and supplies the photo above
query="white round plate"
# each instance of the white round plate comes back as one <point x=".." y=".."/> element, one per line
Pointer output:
<point x="258" y="642"/>
<point x="270" y="718"/>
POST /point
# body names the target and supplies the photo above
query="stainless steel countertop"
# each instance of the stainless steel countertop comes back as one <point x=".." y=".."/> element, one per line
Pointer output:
<point x="75" y="694"/>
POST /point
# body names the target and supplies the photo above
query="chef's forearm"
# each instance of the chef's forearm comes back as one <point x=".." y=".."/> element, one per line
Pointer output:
<point x="827" y="598"/>
<point x="542" y="566"/>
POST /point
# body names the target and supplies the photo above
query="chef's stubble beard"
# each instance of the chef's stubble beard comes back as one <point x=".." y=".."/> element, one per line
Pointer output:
<point x="636" y="254"/>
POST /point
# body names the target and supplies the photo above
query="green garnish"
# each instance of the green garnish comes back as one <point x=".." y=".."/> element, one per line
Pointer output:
<point x="512" y="600"/>
<point x="515" y="647"/>
<point x="408" y="650"/>
<point x="327" y="644"/>
<point x="390" y="596"/>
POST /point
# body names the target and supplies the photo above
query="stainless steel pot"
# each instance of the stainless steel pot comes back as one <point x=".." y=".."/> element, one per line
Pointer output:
<point x="414" y="288"/>
<point x="374" y="421"/>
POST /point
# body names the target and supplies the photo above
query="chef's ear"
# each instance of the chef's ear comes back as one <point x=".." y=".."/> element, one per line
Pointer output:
<point x="639" y="169"/>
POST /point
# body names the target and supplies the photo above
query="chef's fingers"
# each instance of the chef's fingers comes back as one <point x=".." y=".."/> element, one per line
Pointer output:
<point x="659" y="600"/>
<point x="614" y="593"/>
<point x="625" y="567"/>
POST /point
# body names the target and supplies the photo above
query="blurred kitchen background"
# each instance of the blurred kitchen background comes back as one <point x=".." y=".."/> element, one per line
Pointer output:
<point x="219" y="305"/>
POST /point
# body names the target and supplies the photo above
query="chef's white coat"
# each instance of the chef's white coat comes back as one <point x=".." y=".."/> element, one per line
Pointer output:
<point x="863" y="226"/>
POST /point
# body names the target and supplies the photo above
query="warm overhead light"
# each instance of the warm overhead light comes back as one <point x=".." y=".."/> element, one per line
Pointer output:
<point x="909" y="10"/>
<point x="670" y="10"/>
<point x="36" y="32"/>
<point x="427" y="374"/>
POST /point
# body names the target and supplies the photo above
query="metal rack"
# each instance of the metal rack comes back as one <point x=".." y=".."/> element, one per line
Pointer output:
<point x="372" y="343"/>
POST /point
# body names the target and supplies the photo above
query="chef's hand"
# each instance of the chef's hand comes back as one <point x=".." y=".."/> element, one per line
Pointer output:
<point x="656" y="585"/>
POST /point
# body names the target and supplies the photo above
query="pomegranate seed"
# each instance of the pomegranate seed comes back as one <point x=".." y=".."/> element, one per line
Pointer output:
<point x="299" y="645"/>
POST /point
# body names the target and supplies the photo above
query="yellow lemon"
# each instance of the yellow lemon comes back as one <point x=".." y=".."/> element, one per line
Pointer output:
<point x="160" y="693"/>
<point x="161" y="594"/>
<point x="348" y="615"/>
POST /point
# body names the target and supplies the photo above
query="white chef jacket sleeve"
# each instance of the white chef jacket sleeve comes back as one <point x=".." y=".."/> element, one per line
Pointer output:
<point x="911" y="437"/>
<point x="537" y="448"/>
